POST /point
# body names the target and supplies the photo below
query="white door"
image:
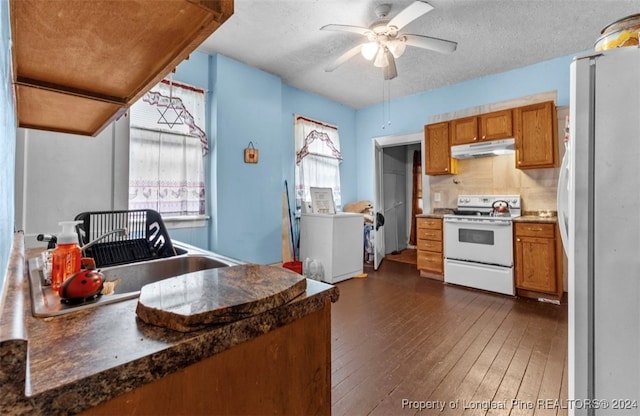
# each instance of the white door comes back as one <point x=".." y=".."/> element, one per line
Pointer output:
<point x="378" y="206"/>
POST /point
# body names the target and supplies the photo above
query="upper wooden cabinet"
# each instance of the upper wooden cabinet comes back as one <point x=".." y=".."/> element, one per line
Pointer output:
<point x="78" y="65"/>
<point x="535" y="134"/>
<point x="489" y="126"/>
<point x="436" y="143"/>
<point x="464" y="130"/>
<point x="496" y="125"/>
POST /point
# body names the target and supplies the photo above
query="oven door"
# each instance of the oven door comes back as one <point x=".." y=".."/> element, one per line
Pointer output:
<point x="487" y="240"/>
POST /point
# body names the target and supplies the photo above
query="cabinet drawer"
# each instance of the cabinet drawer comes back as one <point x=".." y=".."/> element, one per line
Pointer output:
<point x="429" y="223"/>
<point x="430" y="261"/>
<point x="430" y="245"/>
<point x="535" y="229"/>
<point x="429" y="234"/>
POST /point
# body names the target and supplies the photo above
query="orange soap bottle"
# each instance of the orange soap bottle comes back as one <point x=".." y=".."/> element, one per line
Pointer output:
<point x="66" y="257"/>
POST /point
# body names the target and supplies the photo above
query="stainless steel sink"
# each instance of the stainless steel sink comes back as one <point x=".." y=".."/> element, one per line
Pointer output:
<point x="121" y="282"/>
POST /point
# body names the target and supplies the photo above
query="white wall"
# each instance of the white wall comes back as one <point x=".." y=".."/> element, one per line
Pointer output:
<point x="61" y="175"/>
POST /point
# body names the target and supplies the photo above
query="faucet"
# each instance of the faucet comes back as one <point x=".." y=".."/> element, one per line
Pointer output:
<point x="123" y="232"/>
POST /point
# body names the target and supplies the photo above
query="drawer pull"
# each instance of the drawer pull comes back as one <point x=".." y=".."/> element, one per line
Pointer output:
<point x="534" y="229"/>
<point x="517" y="239"/>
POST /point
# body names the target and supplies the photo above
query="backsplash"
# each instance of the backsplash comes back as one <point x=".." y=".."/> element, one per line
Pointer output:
<point x="497" y="175"/>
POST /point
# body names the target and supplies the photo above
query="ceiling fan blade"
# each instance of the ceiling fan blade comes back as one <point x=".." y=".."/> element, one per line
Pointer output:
<point x="344" y="58"/>
<point x="434" y="44"/>
<point x="347" y="28"/>
<point x="390" y="71"/>
<point x="409" y="14"/>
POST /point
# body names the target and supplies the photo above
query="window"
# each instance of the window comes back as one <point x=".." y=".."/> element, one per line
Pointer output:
<point x="167" y="150"/>
<point x="318" y="158"/>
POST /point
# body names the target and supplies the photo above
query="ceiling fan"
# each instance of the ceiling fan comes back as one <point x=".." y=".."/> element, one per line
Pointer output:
<point x="384" y="41"/>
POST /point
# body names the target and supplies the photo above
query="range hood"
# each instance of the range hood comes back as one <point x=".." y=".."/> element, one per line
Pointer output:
<point x="484" y="149"/>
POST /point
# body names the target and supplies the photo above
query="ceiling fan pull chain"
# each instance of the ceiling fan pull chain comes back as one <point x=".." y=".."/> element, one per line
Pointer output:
<point x="384" y="103"/>
<point x="388" y="102"/>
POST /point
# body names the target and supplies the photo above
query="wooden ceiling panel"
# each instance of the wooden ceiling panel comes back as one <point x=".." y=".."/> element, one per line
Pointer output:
<point x="50" y="110"/>
<point x="109" y="51"/>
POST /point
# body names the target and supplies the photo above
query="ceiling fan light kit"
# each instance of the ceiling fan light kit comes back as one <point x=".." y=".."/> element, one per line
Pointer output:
<point x="385" y="43"/>
<point x="369" y="50"/>
<point x="397" y="46"/>
<point x="381" y="59"/>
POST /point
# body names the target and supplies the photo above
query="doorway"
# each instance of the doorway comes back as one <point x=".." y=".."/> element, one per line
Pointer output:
<point x="397" y="185"/>
<point x="393" y="190"/>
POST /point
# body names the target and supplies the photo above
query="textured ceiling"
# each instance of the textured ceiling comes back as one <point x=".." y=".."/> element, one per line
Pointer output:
<point x="283" y="37"/>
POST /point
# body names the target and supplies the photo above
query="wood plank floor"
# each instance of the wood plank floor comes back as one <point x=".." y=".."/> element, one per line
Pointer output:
<point x="398" y="338"/>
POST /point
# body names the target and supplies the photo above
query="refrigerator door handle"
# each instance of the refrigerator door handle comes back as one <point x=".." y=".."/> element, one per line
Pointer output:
<point x="563" y="199"/>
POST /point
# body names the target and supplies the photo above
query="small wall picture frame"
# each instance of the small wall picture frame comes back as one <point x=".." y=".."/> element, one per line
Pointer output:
<point x="251" y="154"/>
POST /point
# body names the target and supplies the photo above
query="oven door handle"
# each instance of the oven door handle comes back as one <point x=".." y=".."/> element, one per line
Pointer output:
<point x="479" y="223"/>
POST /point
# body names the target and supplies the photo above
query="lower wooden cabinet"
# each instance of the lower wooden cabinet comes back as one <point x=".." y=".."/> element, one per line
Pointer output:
<point x="429" y="245"/>
<point x="538" y="260"/>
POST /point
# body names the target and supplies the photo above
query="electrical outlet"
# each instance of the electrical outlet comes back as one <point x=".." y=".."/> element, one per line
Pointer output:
<point x="436" y="197"/>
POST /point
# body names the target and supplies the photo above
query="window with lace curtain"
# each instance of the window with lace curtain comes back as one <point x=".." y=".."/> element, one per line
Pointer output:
<point x="318" y="158"/>
<point x="167" y="150"/>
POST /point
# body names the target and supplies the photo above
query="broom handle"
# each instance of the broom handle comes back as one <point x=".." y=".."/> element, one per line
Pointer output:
<point x="293" y="240"/>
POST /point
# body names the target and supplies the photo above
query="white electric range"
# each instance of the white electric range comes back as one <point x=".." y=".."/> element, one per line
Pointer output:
<point x="478" y="242"/>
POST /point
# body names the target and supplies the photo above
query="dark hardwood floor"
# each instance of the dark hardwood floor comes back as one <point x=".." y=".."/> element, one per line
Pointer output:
<point x="400" y="341"/>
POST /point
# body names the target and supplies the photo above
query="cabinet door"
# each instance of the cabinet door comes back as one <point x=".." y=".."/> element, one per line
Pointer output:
<point x="496" y="125"/>
<point x="438" y="158"/>
<point x="536" y="145"/>
<point x="535" y="264"/>
<point x="464" y="130"/>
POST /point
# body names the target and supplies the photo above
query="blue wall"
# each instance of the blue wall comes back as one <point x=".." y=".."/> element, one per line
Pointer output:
<point x="7" y="143"/>
<point x="245" y="200"/>
<point x="248" y="108"/>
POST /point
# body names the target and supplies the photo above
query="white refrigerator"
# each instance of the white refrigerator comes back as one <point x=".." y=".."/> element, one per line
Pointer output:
<point x="599" y="216"/>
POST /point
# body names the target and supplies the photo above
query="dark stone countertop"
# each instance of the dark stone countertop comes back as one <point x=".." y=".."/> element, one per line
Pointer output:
<point x="436" y="213"/>
<point x="536" y="218"/>
<point x="216" y="296"/>
<point x="79" y="360"/>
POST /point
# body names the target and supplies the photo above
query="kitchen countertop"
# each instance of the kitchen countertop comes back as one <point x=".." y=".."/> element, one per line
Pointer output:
<point x="437" y="213"/>
<point x="79" y="360"/>
<point x="527" y="216"/>
<point x="536" y="218"/>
